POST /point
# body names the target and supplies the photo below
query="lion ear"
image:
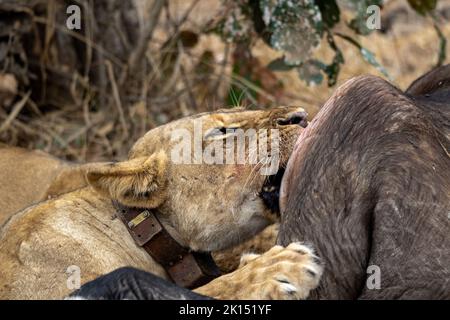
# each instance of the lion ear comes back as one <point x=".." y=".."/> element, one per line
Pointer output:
<point x="139" y="182"/>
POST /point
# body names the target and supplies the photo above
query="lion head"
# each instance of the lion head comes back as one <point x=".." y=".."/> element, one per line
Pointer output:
<point x="212" y="179"/>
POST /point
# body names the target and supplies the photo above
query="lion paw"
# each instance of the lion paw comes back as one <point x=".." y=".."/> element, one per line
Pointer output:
<point x="280" y="273"/>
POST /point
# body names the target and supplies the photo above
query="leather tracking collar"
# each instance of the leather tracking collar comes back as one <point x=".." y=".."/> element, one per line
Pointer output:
<point x="186" y="268"/>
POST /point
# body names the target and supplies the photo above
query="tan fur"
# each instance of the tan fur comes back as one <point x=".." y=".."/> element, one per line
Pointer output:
<point x="38" y="245"/>
<point x="27" y="177"/>
<point x="281" y="273"/>
<point x="228" y="260"/>
<point x="128" y="180"/>
<point x="53" y="177"/>
<point x="205" y="207"/>
<point x="69" y="179"/>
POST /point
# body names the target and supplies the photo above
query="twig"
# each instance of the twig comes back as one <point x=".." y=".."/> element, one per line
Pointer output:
<point x="89" y="35"/>
<point x="15" y="111"/>
<point x="34" y="107"/>
<point x="49" y="29"/>
<point x="189" y="88"/>
<point x="172" y="79"/>
<point x="222" y="71"/>
<point x="183" y="18"/>
<point x="145" y="37"/>
<point x="82" y="38"/>
<point x="116" y="95"/>
<point x="165" y="100"/>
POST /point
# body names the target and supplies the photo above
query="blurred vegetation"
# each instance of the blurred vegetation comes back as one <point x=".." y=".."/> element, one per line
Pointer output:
<point x="89" y="94"/>
<point x="297" y="28"/>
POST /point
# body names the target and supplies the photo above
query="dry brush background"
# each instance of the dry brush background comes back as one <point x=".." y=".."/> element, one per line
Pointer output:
<point x="89" y="95"/>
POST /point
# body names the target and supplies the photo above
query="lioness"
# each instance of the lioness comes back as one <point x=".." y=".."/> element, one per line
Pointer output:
<point x="205" y="207"/>
<point x="31" y="176"/>
<point x="28" y="177"/>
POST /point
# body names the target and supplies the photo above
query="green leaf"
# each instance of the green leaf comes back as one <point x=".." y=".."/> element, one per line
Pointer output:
<point x="279" y="64"/>
<point x="442" y="46"/>
<point x="423" y="6"/>
<point x="359" y="22"/>
<point x="367" y="55"/>
<point x="330" y="12"/>
<point x="296" y="27"/>
<point x="333" y="69"/>
<point x="235" y="96"/>
<point x="311" y="71"/>
<point x="234" y="26"/>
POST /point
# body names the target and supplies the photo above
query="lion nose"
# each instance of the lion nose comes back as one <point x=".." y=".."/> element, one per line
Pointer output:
<point x="298" y="117"/>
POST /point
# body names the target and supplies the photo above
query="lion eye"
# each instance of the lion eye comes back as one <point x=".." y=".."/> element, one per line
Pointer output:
<point x="225" y="130"/>
<point x="220" y="132"/>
